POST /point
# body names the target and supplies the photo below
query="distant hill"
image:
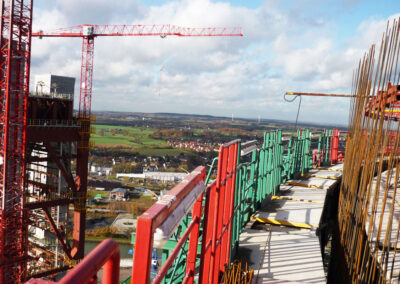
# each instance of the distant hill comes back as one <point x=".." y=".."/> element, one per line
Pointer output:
<point x="131" y="116"/>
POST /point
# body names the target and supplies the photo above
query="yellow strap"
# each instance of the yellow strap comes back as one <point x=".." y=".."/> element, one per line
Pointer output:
<point x="283" y="223"/>
<point x="303" y="185"/>
<point x="295" y="199"/>
<point x="328" y="169"/>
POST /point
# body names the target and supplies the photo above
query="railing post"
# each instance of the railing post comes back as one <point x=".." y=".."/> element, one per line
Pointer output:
<point x="253" y="177"/>
<point x="230" y="200"/>
<point x="143" y="251"/>
<point x="280" y="157"/>
<point x="219" y="213"/>
<point x="335" y="146"/>
<point x="328" y="146"/>
<point x="111" y="270"/>
<point x="239" y="200"/>
<point x="218" y="216"/>
<point x="208" y="229"/>
<point x="318" y="159"/>
<point x="193" y="241"/>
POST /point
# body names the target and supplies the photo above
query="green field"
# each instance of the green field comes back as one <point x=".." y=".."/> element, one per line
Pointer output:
<point x="136" y="137"/>
<point x="127" y="136"/>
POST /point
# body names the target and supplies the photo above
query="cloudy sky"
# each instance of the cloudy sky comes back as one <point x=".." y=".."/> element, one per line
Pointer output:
<point x="308" y="45"/>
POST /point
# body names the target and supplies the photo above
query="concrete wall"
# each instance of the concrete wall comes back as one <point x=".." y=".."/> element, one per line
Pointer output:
<point x="42" y="83"/>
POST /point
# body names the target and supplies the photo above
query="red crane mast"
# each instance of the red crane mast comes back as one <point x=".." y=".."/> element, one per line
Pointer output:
<point x="15" y="50"/>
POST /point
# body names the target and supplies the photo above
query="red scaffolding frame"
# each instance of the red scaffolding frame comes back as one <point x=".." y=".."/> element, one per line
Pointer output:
<point x="15" y="49"/>
<point x="218" y="216"/>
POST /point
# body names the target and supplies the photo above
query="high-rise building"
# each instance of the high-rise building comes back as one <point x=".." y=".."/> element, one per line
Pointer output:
<point x="53" y="85"/>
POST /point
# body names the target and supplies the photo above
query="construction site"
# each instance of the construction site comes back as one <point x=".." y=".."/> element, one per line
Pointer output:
<point x="305" y="208"/>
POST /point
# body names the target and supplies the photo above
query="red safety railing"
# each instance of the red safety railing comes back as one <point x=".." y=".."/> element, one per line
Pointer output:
<point x="335" y="146"/>
<point x="218" y="216"/>
<point x="156" y="216"/>
<point x="217" y="224"/>
<point x="106" y="255"/>
<point x="332" y="151"/>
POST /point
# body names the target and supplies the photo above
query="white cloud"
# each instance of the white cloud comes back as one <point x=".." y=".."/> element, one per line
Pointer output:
<point x="247" y="76"/>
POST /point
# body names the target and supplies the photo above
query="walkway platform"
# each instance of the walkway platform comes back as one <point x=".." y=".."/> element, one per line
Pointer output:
<point x="287" y="249"/>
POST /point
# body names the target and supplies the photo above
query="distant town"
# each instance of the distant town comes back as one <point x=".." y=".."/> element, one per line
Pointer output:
<point x="138" y="156"/>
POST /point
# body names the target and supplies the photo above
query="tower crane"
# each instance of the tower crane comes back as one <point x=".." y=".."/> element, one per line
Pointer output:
<point x="88" y="33"/>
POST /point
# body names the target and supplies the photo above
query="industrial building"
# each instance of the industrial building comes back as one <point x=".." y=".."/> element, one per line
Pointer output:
<point x="164" y="177"/>
<point x="49" y="160"/>
<point x="54" y="86"/>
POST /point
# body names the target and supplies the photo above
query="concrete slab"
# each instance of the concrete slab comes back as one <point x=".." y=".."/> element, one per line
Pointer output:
<point x="299" y="192"/>
<point x="284" y="255"/>
<point x="292" y="211"/>
<point x="293" y="255"/>
<point x="337" y="167"/>
<point x="315" y="182"/>
<point x="323" y="173"/>
<point x="252" y="245"/>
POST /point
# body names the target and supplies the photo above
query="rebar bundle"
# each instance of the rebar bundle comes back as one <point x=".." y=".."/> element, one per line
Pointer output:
<point x="369" y="208"/>
<point x="236" y="273"/>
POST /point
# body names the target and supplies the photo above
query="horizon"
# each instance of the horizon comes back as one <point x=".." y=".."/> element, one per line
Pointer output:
<point x="263" y="119"/>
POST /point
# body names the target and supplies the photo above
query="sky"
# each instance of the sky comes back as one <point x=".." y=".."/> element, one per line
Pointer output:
<point x="305" y="46"/>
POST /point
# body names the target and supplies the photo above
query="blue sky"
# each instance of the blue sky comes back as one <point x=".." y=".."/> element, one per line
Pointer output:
<point x="309" y="45"/>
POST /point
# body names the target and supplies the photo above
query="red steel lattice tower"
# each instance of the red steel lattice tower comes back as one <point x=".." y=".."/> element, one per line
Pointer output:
<point x="15" y="47"/>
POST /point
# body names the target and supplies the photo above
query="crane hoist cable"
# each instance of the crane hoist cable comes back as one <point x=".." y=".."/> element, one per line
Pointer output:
<point x="298" y="108"/>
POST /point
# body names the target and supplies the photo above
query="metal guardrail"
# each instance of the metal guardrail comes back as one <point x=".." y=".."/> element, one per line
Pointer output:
<point x="68" y="97"/>
<point x="54" y="123"/>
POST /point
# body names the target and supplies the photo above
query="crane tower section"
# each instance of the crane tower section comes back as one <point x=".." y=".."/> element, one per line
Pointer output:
<point x="15" y="48"/>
